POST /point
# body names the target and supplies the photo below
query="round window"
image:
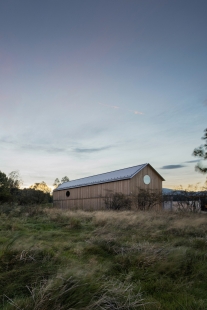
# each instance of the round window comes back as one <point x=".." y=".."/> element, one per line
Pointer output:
<point x="67" y="193"/>
<point x="146" y="179"/>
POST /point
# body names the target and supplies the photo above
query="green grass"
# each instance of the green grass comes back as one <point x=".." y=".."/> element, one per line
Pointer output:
<point x="52" y="259"/>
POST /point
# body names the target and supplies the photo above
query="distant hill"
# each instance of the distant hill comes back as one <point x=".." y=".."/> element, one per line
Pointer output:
<point x="167" y="191"/>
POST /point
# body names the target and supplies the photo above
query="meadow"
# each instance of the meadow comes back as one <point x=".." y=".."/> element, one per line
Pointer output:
<point x="56" y="259"/>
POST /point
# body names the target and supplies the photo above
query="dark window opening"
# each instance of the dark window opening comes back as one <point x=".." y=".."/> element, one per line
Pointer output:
<point x="67" y="193"/>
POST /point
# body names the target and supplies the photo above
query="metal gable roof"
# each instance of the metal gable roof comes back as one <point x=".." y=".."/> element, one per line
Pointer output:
<point x="117" y="175"/>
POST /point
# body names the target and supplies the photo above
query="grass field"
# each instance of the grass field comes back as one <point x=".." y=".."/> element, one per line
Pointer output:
<point x="53" y="260"/>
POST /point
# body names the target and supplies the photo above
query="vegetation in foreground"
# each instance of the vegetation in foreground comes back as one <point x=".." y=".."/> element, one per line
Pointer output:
<point x="53" y="259"/>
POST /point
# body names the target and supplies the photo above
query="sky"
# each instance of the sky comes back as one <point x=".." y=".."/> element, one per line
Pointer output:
<point x="88" y="87"/>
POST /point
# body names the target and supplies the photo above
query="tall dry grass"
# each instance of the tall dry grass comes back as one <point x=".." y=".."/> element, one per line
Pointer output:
<point x="57" y="259"/>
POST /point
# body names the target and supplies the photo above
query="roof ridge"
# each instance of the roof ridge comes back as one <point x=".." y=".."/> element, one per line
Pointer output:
<point x="144" y="165"/>
<point x="105" y="173"/>
<point x="111" y="176"/>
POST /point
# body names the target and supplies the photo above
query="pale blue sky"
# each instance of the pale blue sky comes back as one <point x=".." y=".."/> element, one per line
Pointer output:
<point x="73" y="74"/>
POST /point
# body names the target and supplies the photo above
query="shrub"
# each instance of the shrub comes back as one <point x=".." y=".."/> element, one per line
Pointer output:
<point x="4" y="188"/>
<point x="118" y="201"/>
<point x="146" y="199"/>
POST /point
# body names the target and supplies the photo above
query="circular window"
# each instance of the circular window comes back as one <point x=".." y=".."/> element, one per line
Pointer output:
<point x="146" y="179"/>
<point x="67" y="193"/>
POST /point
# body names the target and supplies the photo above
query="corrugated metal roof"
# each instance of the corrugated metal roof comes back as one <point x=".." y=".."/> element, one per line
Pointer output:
<point x="122" y="174"/>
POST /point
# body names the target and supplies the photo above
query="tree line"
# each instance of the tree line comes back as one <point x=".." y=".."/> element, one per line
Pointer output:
<point x="11" y="190"/>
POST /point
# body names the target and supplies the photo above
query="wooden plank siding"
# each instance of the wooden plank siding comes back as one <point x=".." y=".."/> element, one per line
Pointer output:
<point x="137" y="183"/>
<point x="137" y="180"/>
<point x="91" y="197"/>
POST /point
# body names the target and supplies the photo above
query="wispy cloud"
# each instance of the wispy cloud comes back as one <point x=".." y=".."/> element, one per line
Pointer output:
<point x="192" y="161"/>
<point x="50" y="148"/>
<point x="53" y="149"/>
<point x="6" y="139"/>
<point x="37" y="147"/>
<point x="32" y="147"/>
<point x="172" y="167"/>
<point x="91" y="150"/>
<point x="117" y="107"/>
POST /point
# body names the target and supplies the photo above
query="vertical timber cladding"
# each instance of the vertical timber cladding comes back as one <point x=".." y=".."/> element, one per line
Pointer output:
<point x="89" y="197"/>
<point x="137" y="182"/>
<point x="89" y="193"/>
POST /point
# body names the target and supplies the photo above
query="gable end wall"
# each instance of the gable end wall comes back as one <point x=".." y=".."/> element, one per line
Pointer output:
<point x="137" y="180"/>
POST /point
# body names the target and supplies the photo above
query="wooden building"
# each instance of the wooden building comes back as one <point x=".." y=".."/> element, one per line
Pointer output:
<point x="89" y="193"/>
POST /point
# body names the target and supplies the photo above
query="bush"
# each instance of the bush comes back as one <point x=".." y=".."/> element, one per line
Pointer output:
<point x="26" y="196"/>
<point x="142" y="200"/>
<point x="31" y="196"/>
<point x="146" y="199"/>
<point x="118" y="201"/>
<point x="4" y="188"/>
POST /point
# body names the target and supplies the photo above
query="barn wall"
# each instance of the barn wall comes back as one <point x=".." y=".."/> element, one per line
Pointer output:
<point x="89" y="197"/>
<point x="137" y="182"/>
<point x="92" y="197"/>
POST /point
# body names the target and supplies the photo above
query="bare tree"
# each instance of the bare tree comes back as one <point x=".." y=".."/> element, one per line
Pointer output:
<point x="65" y="179"/>
<point x="117" y="201"/>
<point x="56" y="183"/>
<point x="187" y="200"/>
<point x="142" y="200"/>
<point x="191" y="199"/>
<point x="14" y="180"/>
<point x="146" y="199"/>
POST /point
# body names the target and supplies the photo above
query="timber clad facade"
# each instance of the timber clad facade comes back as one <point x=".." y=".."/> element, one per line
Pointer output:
<point x="89" y="193"/>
